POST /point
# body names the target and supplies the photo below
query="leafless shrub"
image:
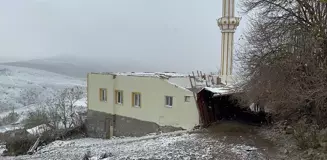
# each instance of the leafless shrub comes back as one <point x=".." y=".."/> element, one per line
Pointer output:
<point x="87" y="155"/>
<point x="306" y="135"/>
<point x="322" y="137"/>
<point x="59" y="111"/>
<point x="36" y="117"/>
<point x="105" y="155"/>
<point x="58" y="115"/>
<point x="64" y="108"/>
<point x="284" y="60"/>
<point x="29" y="96"/>
<point x="12" y="117"/>
<point x="17" y="142"/>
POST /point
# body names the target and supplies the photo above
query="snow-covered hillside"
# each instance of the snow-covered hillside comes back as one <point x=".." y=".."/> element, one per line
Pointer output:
<point x="176" y="145"/>
<point x="15" y="80"/>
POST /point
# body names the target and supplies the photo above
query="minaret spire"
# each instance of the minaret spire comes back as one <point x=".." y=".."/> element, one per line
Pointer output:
<point x="227" y="24"/>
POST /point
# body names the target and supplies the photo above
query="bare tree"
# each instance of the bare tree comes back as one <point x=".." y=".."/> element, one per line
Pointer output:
<point x="58" y="111"/>
<point x="62" y="108"/>
<point x="12" y="117"/>
<point x="36" y="117"/>
<point x="29" y="96"/>
<point x="284" y="59"/>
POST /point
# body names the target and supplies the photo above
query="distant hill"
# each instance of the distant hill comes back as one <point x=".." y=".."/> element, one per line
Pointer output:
<point x="80" y="66"/>
<point x="79" y="69"/>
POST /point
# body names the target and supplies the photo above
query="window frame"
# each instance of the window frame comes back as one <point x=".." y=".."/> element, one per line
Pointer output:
<point x="170" y="100"/>
<point x="119" y="97"/>
<point x="134" y="95"/>
<point x="185" y="98"/>
<point x="103" y="94"/>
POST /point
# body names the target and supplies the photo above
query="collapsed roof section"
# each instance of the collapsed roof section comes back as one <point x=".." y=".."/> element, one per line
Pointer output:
<point x="195" y="82"/>
<point x="220" y="90"/>
<point x="166" y="75"/>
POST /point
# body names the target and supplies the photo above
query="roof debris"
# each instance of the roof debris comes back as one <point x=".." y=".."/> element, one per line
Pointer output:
<point x="200" y="82"/>
<point x="148" y="74"/>
<point x="218" y="91"/>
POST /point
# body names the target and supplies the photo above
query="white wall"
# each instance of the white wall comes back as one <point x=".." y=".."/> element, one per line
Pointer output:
<point x="153" y="91"/>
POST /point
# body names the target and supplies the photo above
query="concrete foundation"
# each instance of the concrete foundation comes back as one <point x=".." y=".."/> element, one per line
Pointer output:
<point x="104" y="125"/>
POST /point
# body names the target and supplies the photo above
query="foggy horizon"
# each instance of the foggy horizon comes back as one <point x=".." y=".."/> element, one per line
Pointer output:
<point x="153" y="32"/>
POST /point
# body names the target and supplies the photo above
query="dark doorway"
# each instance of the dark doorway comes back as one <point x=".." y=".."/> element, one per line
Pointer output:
<point x="214" y="107"/>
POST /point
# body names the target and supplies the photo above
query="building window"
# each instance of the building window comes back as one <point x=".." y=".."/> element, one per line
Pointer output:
<point x="119" y="97"/>
<point x="187" y="98"/>
<point x="169" y="101"/>
<point x="103" y="95"/>
<point x="136" y="99"/>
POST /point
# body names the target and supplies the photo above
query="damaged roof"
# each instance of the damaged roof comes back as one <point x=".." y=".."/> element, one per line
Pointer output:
<point x="147" y="74"/>
<point x="220" y="90"/>
<point x="178" y="79"/>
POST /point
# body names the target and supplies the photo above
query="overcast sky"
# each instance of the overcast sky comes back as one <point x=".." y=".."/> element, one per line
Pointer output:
<point x="165" y="31"/>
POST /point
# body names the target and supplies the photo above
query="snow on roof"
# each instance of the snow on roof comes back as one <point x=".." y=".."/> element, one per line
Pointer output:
<point x="185" y="82"/>
<point x="148" y="74"/>
<point x="223" y="90"/>
<point x="178" y="79"/>
<point x="178" y="85"/>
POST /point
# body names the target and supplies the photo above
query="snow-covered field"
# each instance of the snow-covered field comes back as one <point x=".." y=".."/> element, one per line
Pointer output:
<point x="24" y="77"/>
<point x="15" y="80"/>
<point x="177" y="145"/>
<point x="80" y="107"/>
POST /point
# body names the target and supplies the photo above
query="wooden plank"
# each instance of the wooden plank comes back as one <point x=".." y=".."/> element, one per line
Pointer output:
<point x="195" y="96"/>
<point x="190" y="77"/>
<point x="204" y="77"/>
<point x="34" y="147"/>
<point x="194" y="79"/>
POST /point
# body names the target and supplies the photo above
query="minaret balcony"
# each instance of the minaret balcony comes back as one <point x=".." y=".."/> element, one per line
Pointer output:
<point x="228" y="23"/>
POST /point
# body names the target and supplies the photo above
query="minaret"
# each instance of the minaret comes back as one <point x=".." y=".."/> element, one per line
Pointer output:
<point x="227" y="24"/>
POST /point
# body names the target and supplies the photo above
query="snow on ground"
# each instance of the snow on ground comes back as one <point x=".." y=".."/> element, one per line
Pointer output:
<point x="22" y="112"/>
<point x="10" y="127"/>
<point x="178" y="145"/>
<point x="80" y="107"/>
<point x="14" y="80"/>
<point x="38" y="130"/>
<point x="2" y="148"/>
<point x="20" y="77"/>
